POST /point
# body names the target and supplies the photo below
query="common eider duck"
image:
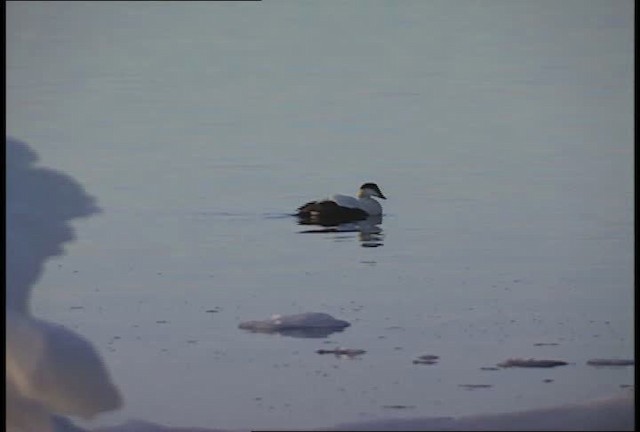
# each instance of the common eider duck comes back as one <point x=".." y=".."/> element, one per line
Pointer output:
<point x="339" y="209"/>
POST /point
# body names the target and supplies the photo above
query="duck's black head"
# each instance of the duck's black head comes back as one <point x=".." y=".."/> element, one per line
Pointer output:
<point x="372" y="189"/>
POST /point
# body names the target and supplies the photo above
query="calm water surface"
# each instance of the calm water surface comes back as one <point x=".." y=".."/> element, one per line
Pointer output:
<point x="501" y="133"/>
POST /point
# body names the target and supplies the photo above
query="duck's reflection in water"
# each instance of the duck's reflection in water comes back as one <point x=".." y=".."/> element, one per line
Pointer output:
<point x="369" y="231"/>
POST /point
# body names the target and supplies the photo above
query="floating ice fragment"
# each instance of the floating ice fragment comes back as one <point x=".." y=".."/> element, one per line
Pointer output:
<point x="309" y="324"/>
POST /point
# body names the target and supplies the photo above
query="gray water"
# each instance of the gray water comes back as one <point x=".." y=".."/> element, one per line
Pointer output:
<point x="500" y="132"/>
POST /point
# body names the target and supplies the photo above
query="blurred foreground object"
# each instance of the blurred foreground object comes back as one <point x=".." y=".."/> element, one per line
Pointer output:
<point x="50" y="370"/>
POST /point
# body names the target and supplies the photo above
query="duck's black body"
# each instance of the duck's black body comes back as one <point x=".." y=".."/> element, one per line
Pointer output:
<point x="328" y="213"/>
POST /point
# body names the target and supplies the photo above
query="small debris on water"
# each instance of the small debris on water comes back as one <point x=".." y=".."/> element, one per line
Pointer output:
<point x="548" y="380"/>
<point x="531" y="363"/>
<point x="427" y="359"/>
<point x="348" y="352"/>
<point x="398" y="406"/>
<point x="475" y="386"/>
<point x="546" y="344"/>
<point x="610" y="362"/>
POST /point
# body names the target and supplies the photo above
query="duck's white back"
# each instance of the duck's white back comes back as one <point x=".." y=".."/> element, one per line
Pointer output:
<point x="345" y="201"/>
